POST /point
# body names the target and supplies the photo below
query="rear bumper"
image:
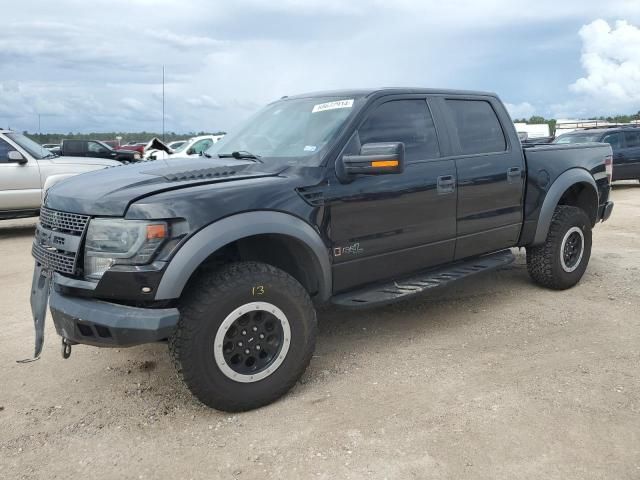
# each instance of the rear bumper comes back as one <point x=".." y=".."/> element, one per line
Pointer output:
<point x="104" y="324"/>
<point x="605" y="211"/>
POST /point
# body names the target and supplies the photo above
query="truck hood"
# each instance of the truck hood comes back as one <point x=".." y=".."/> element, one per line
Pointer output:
<point x="110" y="191"/>
<point x="105" y="162"/>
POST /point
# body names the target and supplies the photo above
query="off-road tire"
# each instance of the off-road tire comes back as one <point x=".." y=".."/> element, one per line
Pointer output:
<point x="544" y="262"/>
<point x="210" y="299"/>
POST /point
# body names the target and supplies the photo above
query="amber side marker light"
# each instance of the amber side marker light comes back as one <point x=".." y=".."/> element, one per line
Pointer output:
<point x="156" y="231"/>
<point x="385" y="163"/>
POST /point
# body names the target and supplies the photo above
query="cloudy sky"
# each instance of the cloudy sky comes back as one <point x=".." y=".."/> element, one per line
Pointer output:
<point x="97" y="65"/>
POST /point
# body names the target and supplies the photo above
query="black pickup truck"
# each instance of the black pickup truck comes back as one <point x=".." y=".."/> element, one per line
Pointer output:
<point x="356" y="198"/>
<point x="97" y="149"/>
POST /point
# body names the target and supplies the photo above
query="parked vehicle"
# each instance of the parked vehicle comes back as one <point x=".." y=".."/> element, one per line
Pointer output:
<point x="49" y="146"/>
<point x="624" y="141"/>
<point x="176" y="145"/>
<point x="190" y="148"/>
<point x="97" y="149"/>
<point x="135" y="147"/>
<point x="346" y="197"/>
<point x="112" y="143"/>
<point x="27" y="170"/>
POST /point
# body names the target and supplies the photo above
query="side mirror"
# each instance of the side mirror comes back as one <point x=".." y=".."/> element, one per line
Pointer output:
<point x="16" y="157"/>
<point x="191" y="151"/>
<point x="374" y="159"/>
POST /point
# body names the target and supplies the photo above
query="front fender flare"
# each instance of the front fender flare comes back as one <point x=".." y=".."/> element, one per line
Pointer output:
<point x="558" y="187"/>
<point x="218" y="234"/>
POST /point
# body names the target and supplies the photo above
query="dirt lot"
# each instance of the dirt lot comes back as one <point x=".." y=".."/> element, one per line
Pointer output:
<point x="492" y="379"/>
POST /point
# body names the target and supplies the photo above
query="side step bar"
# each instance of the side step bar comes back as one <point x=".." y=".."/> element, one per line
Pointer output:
<point x="385" y="293"/>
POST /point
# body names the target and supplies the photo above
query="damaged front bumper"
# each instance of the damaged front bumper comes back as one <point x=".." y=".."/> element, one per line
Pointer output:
<point x="95" y="322"/>
<point x="106" y="324"/>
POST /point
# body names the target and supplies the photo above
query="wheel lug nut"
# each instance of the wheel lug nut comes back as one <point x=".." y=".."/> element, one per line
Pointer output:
<point x="247" y="351"/>
<point x="244" y="332"/>
<point x="262" y="335"/>
<point x="255" y="329"/>
<point x="257" y="347"/>
<point x="240" y="344"/>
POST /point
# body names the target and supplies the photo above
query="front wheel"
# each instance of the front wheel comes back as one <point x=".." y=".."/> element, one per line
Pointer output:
<point x="560" y="262"/>
<point x="246" y="334"/>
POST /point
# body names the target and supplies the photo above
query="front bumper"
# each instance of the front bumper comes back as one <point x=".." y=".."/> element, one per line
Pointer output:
<point x="105" y="324"/>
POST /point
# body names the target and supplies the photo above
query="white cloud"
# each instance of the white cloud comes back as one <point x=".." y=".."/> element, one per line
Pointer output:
<point x="183" y="41"/>
<point x="611" y="60"/>
<point x="520" y="110"/>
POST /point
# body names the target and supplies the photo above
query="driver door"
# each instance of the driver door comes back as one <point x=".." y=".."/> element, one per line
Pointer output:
<point x="19" y="183"/>
<point x="386" y="226"/>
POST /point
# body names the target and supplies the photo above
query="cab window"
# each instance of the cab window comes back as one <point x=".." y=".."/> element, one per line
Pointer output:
<point x="477" y="125"/>
<point x="613" y="139"/>
<point x="632" y="139"/>
<point x="201" y="146"/>
<point x="406" y="121"/>
<point x="5" y="148"/>
<point x="95" y="147"/>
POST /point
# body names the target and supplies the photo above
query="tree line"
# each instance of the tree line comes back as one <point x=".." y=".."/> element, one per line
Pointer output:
<point x="538" y="120"/>
<point x="127" y="137"/>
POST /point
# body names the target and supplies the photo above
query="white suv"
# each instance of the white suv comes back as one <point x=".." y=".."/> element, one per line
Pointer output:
<point x="27" y="170"/>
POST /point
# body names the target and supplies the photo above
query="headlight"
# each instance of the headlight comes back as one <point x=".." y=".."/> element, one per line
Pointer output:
<point x="117" y="241"/>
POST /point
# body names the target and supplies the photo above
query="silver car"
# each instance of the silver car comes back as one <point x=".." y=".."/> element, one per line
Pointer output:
<point x="27" y="170"/>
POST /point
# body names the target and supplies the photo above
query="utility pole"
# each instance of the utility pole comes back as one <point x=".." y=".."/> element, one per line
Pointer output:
<point x="163" y="103"/>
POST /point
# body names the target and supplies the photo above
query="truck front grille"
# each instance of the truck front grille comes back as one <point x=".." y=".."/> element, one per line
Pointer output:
<point x="55" y="260"/>
<point x="56" y="245"/>
<point x="71" y="223"/>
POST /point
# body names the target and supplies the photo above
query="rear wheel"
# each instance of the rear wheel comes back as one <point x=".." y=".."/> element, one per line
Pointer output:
<point x="246" y="334"/>
<point x="561" y="261"/>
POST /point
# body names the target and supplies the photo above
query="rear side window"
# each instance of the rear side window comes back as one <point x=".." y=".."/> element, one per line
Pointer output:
<point x="5" y="148"/>
<point x="477" y="125"/>
<point x="406" y="121"/>
<point x="73" y="147"/>
<point x="613" y="139"/>
<point x="632" y="139"/>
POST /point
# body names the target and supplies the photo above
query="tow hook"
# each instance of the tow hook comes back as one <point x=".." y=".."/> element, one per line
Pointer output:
<point x="66" y="348"/>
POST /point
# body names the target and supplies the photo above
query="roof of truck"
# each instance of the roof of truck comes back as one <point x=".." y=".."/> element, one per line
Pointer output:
<point x="388" y="91"/>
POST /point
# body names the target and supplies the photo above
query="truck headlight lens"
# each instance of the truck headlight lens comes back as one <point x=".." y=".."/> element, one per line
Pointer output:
<point x="117" y="241"/>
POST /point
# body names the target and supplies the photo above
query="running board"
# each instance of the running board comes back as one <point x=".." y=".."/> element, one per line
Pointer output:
<point x="380" y="294"/>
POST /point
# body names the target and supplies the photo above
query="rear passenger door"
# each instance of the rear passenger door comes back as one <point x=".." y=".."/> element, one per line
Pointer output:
<point x="628" y="166"/>
<point x="490" y="176"/>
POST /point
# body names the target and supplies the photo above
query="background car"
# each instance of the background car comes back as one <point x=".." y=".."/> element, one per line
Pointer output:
<point x="624" y="141"/>
<point x="191" y="148"/>
<point x="27" y="170"/>
<point x="97" y="149"/>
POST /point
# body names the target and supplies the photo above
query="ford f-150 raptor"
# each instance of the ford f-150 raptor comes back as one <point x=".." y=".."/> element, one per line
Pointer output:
<point x="355" y="198"/>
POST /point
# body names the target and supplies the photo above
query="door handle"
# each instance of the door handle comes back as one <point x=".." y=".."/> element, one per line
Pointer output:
<point x="513" y="173"/>
<point x="446" y="184"/>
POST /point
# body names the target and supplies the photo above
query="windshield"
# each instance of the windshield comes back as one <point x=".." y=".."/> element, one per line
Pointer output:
<point x="296" y="130"/>
<point x="37" y="151"/>
<point x="578" y="138"/>
<point x="183" y="146"/>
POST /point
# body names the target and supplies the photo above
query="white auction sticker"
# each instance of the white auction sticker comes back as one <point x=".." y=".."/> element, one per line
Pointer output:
<point x="321" y="107"/>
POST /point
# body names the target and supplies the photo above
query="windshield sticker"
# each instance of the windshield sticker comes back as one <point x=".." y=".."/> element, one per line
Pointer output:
<point x="310" y="148"/>
<point x="321" y="107"/>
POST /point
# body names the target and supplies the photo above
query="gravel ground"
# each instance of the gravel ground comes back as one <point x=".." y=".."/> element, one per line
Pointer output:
<point x="494" y="378"/>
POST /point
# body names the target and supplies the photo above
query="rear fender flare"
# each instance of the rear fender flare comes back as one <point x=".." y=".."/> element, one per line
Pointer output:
<point x="218" y="234"/>
<point x="557" y="189"/>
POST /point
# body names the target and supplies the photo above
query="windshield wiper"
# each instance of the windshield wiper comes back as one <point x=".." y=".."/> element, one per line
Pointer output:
<point x="241" y="155"/>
